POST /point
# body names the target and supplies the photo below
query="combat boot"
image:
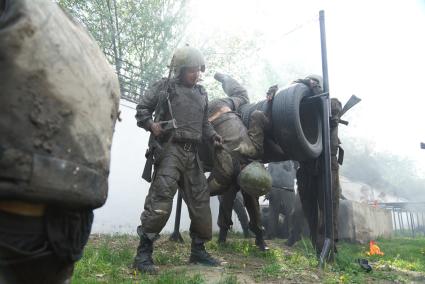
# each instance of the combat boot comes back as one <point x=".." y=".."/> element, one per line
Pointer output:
<point x="222" y="236"/>
<point x="199" y="255"/>
<point x="259" y="238"/>
<point x="260" y="243"/>
<point x="143" y="260"/>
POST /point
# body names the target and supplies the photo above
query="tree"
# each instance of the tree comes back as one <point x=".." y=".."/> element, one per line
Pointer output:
<point x="137" y="37"/>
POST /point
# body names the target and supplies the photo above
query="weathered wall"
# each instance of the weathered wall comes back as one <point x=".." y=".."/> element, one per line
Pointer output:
<point x="360" y="222"/>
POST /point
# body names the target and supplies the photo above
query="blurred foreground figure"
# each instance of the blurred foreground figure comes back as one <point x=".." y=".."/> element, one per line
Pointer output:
<point x="234" y="160"/>
<point x="58" y="107"/>
<point x="181" y="123"/>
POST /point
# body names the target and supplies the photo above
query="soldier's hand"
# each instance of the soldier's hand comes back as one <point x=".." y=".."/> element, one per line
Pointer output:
<point x="220" y="77"/>
<point x="217" y="141"/>
<point x="271" y="92"/>
<point x="156" y="129"/>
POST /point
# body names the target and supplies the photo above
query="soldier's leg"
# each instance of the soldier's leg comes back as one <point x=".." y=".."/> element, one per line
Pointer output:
<point x="274" y="211"/>
<point x="157" y="209"/>
<point x="296" y="221"/>
<point x="336" y="193"/>
<point x="239" y="208"/>
<point x="308" y="196"/>
<point x="253" y="207"/>
<point x="254" y="148"/>
<point x="224" y="220"/>
<point x="196" y="195"/>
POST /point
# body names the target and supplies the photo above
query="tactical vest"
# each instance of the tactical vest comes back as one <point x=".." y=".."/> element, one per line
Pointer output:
<point x="188" y="106"/>
<point x="58" y="107"/>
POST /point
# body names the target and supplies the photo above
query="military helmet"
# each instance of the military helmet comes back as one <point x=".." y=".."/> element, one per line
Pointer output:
<point x="187" y="56"/>
<point x="317" y="78"/>
<point x="255" y="180"/>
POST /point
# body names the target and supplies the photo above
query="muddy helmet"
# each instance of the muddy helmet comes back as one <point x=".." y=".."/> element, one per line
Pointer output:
<point x="255" y="180"/>
<point x="187" y="56"/>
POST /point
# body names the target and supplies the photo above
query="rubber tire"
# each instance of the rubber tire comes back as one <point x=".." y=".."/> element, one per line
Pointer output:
<point x="297" y="126"/>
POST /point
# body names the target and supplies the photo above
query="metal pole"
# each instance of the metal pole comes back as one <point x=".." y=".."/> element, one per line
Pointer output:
<point x="402" y="222"/>
<point x="399" y="221"/>
<point x="328" y="246"/>
<point x="176" y="236"/>
<point x="412" y="223"/>
<point x="394" y="220"/>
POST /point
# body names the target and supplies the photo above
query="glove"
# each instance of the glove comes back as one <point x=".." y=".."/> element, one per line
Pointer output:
<point x="220" y="77"/>
<point x="217" y="141"/>
<point x="271" y="92"/>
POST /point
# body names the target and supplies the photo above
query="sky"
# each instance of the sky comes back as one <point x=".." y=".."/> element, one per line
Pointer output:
<point x="376" y="50"/>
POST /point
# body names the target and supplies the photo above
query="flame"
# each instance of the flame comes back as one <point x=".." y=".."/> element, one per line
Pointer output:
<point x="374" y="249"/>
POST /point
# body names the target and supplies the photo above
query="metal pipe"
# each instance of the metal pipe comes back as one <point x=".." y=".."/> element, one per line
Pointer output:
<point x="412" y="223"/>
<point x="394" y="220"/>
<point x="400" y="220"/>
<point x="328" y="246"/>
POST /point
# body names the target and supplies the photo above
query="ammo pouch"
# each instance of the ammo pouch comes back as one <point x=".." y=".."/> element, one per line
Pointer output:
<point x="58" y="107"/>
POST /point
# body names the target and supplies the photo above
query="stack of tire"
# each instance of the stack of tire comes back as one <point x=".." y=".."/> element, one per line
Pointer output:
<point x="296" y="123"/>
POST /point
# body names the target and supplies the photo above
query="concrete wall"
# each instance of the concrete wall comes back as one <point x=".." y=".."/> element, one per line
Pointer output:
<point x="360" y="222"/>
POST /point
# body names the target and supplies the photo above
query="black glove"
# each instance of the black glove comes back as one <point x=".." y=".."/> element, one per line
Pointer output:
<point x="217" y="141"/>
<point x="271" y="92"/>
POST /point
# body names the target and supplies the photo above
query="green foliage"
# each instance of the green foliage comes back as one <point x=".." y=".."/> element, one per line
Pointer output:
<point x="228" y="279"/>
<point x="138" y="37"/>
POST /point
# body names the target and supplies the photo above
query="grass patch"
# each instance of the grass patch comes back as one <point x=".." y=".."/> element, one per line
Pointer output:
<point x="108" y="259"/>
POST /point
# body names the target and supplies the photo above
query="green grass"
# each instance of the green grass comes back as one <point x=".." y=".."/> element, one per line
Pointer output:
<point x="107" y="259"/>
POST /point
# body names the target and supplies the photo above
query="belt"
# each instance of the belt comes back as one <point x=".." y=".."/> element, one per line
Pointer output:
<point x="23" y="208"/>
<point x="188" y="146"/>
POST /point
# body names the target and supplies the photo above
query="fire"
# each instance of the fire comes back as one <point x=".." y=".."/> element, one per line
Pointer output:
<point x="374" y="249"/>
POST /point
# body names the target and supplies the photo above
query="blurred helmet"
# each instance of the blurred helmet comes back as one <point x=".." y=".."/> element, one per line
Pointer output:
<point x="255" y="180"/>
<point x="187" y="56"/>
<point x="317" y="78"/>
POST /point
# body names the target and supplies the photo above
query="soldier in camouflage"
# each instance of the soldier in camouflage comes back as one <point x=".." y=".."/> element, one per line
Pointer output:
<point x="240" y="145"/>
<point x="176" y="162"/>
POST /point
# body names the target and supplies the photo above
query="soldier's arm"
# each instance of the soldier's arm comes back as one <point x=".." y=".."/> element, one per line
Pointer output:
<point x="234" y="90"/>
<point x="147" y="106"/>
<point x="208" y="131"/>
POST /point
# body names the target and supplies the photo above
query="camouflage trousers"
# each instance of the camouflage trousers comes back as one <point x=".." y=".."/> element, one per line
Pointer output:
<point x="309" y="187"/>
<point x="178" y="168"/>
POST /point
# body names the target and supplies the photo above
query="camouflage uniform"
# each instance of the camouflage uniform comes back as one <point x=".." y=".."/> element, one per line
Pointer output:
<point x="177" y="163"/>
<point x="310" y="180"/>
<point x="227" y="162"/>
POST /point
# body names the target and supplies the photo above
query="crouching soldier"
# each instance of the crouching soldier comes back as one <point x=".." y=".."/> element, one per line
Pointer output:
<point x="241" y="144"/>
<point x="180" y="105"/>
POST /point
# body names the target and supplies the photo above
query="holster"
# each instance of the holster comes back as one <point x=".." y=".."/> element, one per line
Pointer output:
<point x="340" y="155"/>
<point x="147" y="171"/>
